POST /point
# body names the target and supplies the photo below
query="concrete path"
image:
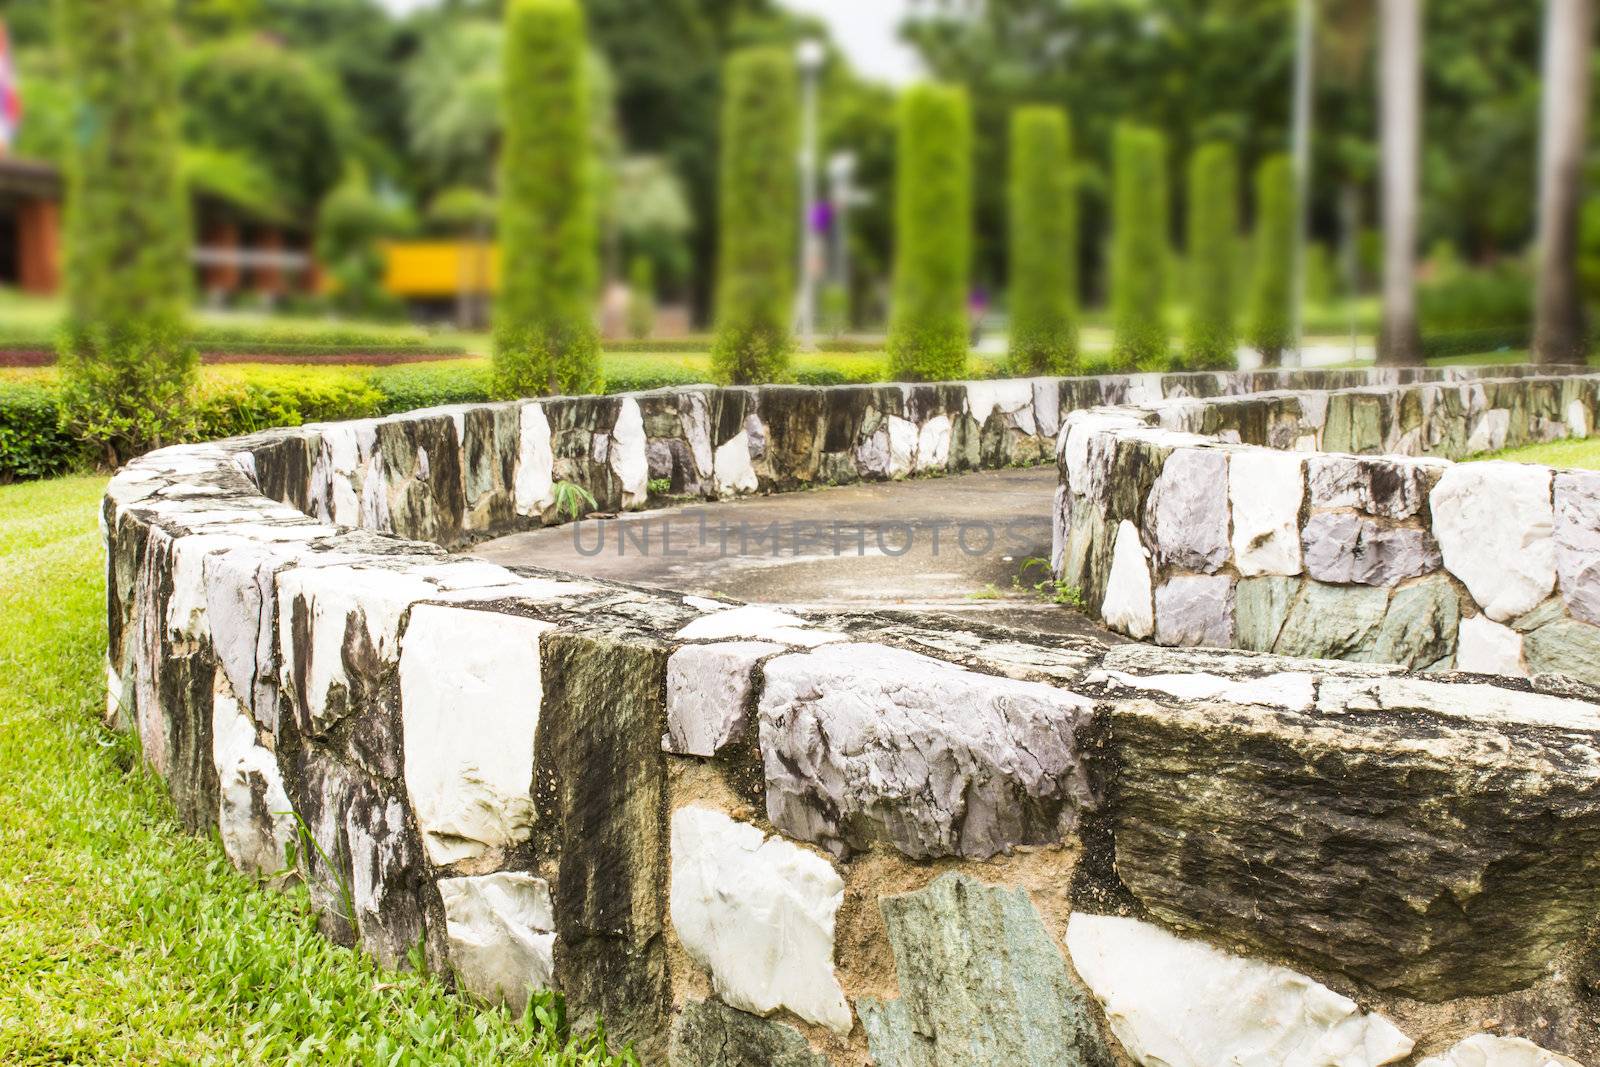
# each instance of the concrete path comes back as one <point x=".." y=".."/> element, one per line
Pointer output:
<point x="949" y="544"/>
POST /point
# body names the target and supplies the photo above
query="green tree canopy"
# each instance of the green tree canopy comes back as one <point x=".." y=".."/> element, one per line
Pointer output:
<point x="251" y="96"/>
<point x="126" y="366"/>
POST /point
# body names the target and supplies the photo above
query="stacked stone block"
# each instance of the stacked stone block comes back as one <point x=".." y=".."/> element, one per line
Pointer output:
<point x="747" y="836"/>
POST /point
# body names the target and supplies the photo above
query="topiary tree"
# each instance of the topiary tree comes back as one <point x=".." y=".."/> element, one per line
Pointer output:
<point x="933" y="235"/>
<point x="125" y="364"/>
<point x="641" y="297"/>
<point x="1212" y="336"/>
<point x="1139" y="250"/>
<point x="1270" y="328"/>
<point x="1044" y="243"/>
<point x="755" y="282"/>
<point x="545" y="338"/>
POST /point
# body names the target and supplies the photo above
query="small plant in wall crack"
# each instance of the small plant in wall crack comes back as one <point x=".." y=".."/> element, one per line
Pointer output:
<point x="571" y="499"/>
<point x="1049" y="588"/>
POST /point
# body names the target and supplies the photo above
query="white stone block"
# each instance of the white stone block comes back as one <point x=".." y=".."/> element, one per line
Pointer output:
<point x="933" y="444"/>
<point x="1265" y="489"/>
<point x="758" y="913"/>
<point x="708" y="687"/>
<point x="757" y="623"/>
<point x="1127" y="606"/>
<point x="500" y="929"/>
<point x="254" y="817"/>
<point x="1492" y="1050"/>
<point x="1484" y="646"/>
<point x="902" y="446"/>
<point x="629" y="457"/>
<point x="732" y="471"/>
<point x="1175" y="1002"/>
<point x="470" y="693"/>
<point x="535" y="462"/>
<point x="1493" y="522"/>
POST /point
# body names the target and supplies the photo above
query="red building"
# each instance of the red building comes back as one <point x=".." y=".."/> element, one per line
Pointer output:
<point x="238" y="250"/>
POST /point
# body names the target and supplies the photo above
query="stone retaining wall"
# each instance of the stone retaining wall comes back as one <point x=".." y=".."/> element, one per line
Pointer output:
<point x="744" y="836"/>
<point x="1334" y="525"/>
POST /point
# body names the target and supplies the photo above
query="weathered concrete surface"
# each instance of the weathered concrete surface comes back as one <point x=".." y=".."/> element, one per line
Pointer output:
<point x="988" y="524"/>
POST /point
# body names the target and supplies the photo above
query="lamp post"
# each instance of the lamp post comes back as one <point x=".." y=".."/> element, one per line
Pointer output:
<point x="1301" y="143"/>
<point x="809" y="56"/>
<point x="841" y="193"/>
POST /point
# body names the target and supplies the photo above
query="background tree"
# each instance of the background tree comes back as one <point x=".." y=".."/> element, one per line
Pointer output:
<point x="1211" y="336"/>
<point x="641" y="297"/>
<point x="1558" y="335"/>
<point x="1044" y="245"/>
<point x="1400" y="98"/>
<point x="933" y="235"/>
<point x="126" y="367"/>
<point x="1271" y="325"/>
<point x="251" y="96"/>
<point x="545" y="336"/>
<point x="755" y="281"/>
<point x="1139" y="255"/>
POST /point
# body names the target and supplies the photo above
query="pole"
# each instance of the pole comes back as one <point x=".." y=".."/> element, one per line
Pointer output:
<point x="1301" y="142"/>
<point x="810" y="55"/>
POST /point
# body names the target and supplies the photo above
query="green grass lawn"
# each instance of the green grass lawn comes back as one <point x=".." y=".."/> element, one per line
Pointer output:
<point x="1581" y="453"/>
<point x="125" y="940"/>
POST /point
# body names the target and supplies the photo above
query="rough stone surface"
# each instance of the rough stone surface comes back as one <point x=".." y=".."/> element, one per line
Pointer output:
<point x="1577" y="542"/>
<point x="1487" y="647"/>
<point x="469" y="698"/>
<point x="1492" y="1050"/>
<point x="1332" y="621"/>
<point x="601" y="791"/>
<point x="1127" y="605"/>
<point x="1403" y="832"/>
<point x="981" y="983"/>
<point x="501" y="932"/>
<point x="1493" y="522"/>
<point x="1260" y="607"/>
<point x="864" y="743"/>
<point x="1265" y="490"/>
<point x="1195" y="609"/>
<point x="253" y="812"/>
<point x="1186" y="514"/>
<point x="708" y="687"/>
<point x="1343" y="547"/>
<point x="1386" y="488"/>
<point x="1565" y="646"/>
<point x="709" y="1034"/>
<point x="1174" y="1002"/>
<point x="758" y="913"/>
<point x="1419" y="629"/>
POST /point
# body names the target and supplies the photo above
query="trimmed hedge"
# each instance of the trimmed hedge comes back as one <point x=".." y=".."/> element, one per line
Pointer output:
<point x="1213" y="248"/>
<point x="32" y="442"/>
<point x="756" y="217"/>
<point x="933" y="235"/>
<point x="545" y="339"/>
<point x="1271" y="330"/>
<point x="1139" y="250"/>
<point x="1044" y="242"/>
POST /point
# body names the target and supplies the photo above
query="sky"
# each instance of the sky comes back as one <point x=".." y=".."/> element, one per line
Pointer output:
<point x="865" y="29"/>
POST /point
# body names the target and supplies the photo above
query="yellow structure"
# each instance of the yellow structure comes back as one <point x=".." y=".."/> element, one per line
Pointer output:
<point x="436" y="270"/>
